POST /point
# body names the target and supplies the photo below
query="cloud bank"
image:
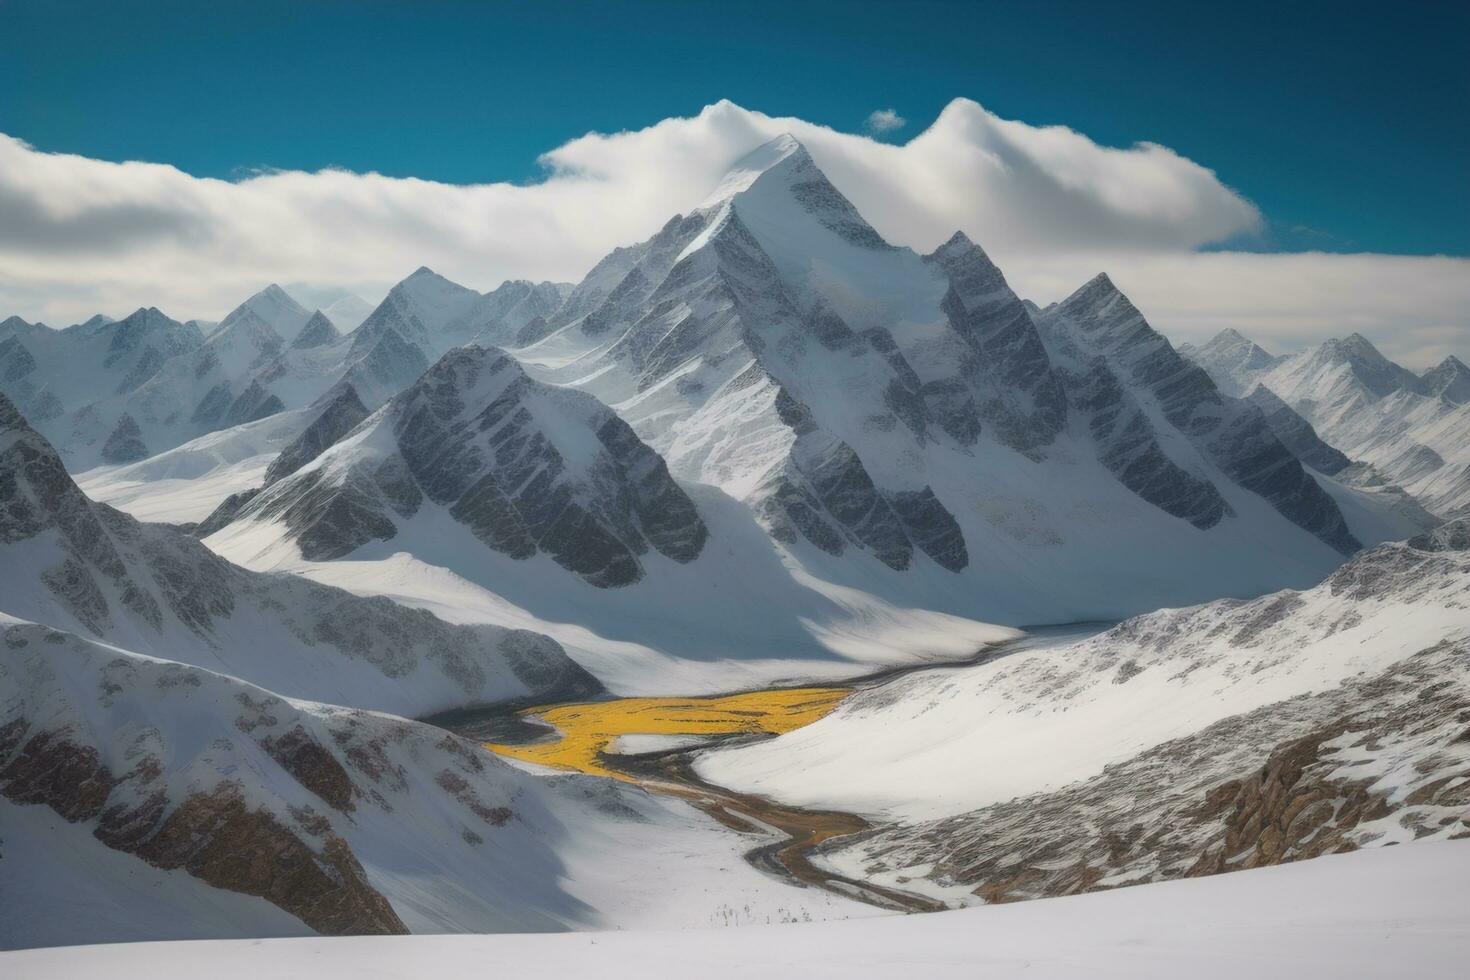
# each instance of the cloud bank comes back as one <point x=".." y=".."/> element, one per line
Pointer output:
<point x="79" y="236"/>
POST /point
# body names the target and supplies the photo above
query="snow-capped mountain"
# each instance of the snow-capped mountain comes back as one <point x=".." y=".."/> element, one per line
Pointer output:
<point x="863" y="398"/>
<point x="88" y="569"/>
<point x="1449" y="379"/>
<point x="1410" y="428"/>
<point x="275" y="307"/>
<point x="890" y="437"/>
<point x="1232" y="434"/>
<point x="319" y="331"/>
<point x="57" y="376"/>
<point x="1231" y="359"/>
<point x="524" y="467"/>
<point x="1183" y="742"/>
<point x="109" y="393"/>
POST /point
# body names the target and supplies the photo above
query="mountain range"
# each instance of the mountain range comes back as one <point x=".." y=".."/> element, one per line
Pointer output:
<point x="1409" y="428"/>
<point x="764" y="447"/>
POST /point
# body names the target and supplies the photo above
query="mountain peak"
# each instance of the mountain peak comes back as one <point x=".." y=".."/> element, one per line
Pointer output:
<point x="1095" y="294"/>
<point x="1449" y="379"/>
<point x="318" y="332"/>
<point x="766" y="158"/>
<point x="958" y="240"/>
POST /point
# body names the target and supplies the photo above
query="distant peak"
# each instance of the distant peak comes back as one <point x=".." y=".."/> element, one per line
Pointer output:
<point x="318" y="331"/>
<point x="1095" y="295"/>
<point x="423" y="271"/>
<point x="1353" y="347"/>
<point x="1231" y="335"/>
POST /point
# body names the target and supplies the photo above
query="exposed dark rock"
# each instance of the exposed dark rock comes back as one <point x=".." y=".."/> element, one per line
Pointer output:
<point x="339" y="416"/>
<point x="1297" y="434"/>
<point x="252" y="404"/>
<point x="222" y="515"/>
<point x="125" y="444"/>
<point x="318" y="332"/>
<point x="1232" y="433"/>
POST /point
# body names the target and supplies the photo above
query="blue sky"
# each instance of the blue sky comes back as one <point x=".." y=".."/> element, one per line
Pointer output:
<point x="1347" y="124"/>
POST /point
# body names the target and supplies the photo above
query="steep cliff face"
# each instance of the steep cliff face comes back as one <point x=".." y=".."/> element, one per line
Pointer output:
<point x="526" y="468"/>
<point x="1231" y="434"/>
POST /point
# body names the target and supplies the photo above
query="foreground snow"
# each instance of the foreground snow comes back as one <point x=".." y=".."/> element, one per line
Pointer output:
<point x="1402" y="911"/>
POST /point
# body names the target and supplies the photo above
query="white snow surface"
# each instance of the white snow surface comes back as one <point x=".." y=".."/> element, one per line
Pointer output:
<point x="1400" y="911"/>
<point x="565" y="851"/>
<point x="944" y="742"/>
<point x="189" y="481"/>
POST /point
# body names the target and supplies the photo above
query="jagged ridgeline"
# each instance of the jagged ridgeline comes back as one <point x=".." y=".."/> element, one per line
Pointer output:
<point x="874" y="410"/>
<point x="527" y="468"/>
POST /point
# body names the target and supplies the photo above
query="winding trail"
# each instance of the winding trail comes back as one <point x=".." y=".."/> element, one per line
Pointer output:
<point x="581" y="737"/>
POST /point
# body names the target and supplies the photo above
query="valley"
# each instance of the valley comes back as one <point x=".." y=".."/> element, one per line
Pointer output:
<point x="703" y="592"/>
<point x="652" y="741"/>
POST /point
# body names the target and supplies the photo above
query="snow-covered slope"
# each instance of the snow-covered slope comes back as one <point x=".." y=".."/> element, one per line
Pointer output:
<point x="1232" y="359"/>
<point x="88" y="569"/>
<point x="1359" y="916"/>
<point x="1184" y="742"/>
<point x="186" y="483"/>
<point x="945" y="741"/>
<point x="210" y="807"/>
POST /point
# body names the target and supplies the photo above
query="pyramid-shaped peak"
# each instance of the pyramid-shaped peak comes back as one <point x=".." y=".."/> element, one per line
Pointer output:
<point x="272" y="299"/>
<point x="318" y="332"/>
<point x="784" y="153"/>
<point x="969" y="269"/>
<point x="1449" y="379"/>
<point x="1098" y="296"/>
<point x="958" y="240"/>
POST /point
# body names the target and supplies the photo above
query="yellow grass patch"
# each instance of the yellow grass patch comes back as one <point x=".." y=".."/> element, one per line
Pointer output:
<point x="586" y="730"/>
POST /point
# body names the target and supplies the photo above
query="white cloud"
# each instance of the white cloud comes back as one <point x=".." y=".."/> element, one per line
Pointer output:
<point x="885" y="121"/>
<point x="78" y="236"/>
